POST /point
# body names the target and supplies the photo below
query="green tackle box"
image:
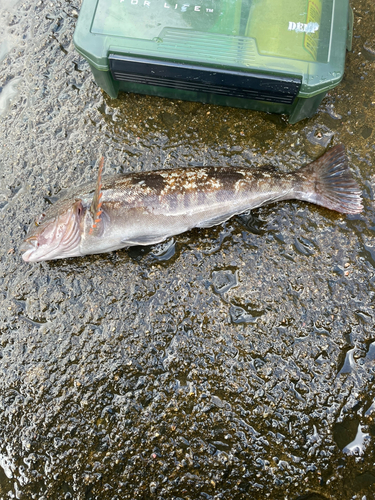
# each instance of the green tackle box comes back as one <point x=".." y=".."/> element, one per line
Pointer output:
<point x="278" y="56"/>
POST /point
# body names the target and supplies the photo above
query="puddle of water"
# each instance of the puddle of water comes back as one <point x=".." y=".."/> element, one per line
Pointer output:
<point x="240" y="315"/>
<point x="7" y="5"/>
<point x="224" y="280"/>
<point x="5" y="47"/>
<point x="7" y="465"/>
<point x="8" y="40"/>
<point x="370" y="410"/>
<point x="109" y="331"/>
<point x="357" y="446"/>
<point x="370" y="355"/>
<point x="8" y="94"/>
<point x="164" y="251"/>
<point x="349" y="363"/>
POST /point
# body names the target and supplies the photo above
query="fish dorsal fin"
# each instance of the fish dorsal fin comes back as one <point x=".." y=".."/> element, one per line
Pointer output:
<point x="96" y="204"/>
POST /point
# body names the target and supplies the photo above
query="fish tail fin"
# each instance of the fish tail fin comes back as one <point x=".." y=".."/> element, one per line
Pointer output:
<point x="328" y="182"/>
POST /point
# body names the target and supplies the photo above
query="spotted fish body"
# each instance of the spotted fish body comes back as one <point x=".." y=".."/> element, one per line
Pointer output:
<point x="148" y="207"/>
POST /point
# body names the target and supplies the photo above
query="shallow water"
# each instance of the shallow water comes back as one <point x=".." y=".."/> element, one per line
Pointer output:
<point x="241" y="366"/>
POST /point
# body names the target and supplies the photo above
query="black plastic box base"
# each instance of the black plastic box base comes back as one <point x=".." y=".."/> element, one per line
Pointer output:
<point x="298" y="110"/>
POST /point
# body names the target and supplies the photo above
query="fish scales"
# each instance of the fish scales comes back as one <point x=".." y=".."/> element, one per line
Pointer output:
<point x="191" y="188"/>
<point x="148" y="207"/>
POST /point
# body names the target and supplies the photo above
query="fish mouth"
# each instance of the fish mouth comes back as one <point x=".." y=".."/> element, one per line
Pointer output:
<point x="28" y="247"/>
<point x="58" y="240"/>
<point x="36" y="252"/>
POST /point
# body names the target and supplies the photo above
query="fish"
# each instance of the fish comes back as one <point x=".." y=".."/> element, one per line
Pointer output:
<point x="146" y="208"/>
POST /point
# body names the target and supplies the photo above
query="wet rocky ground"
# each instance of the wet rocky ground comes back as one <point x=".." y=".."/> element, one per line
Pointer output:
<point x="242" y="366"/>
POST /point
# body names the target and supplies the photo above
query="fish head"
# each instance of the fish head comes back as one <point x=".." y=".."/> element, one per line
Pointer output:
<point x="56" y="234"/>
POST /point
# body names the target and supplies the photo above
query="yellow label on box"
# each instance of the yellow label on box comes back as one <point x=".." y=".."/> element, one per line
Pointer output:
<point x="314" y="13"/>
<point x="289" y="29"/>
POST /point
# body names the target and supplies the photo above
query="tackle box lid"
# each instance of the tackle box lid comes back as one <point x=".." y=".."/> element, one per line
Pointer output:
<point x="301" y="41"/>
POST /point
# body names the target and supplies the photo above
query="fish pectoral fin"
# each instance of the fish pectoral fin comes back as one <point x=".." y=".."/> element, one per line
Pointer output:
<point x="96" y="204"/>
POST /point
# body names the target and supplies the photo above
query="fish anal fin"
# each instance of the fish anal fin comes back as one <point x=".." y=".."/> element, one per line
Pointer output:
<point x="96" y="204"/>
<point x="144" y="240"/>
<point x="214" y="221"/>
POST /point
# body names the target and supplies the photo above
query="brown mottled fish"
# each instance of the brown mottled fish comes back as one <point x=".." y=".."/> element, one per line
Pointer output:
<point x="148" y="207"/>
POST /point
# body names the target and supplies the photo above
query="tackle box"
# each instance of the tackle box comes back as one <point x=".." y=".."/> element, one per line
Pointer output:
<point x="278" y="56"/>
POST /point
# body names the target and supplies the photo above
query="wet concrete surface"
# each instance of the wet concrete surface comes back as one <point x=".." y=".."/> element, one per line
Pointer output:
<point x="243" y="365"/>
